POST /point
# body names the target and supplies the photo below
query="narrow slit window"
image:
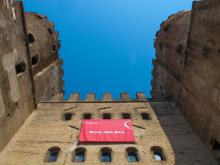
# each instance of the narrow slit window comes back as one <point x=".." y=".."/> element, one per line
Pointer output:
<point x="87" y="116"/>
<point x="53" y="47"/>
<point x="67" y="116"/>
<point x="34" y="60"/>
<point x="106" y="116"/>
<point x="31" y="38"/>
<point x="145" y="116"/>
<point x="126" y="116"/>
<point x="20" y="68"/>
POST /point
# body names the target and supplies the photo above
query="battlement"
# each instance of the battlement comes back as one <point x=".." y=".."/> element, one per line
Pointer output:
<point x="107" y="97"/>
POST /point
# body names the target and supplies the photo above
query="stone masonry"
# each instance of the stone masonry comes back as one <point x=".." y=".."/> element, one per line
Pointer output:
<point x="16" y="83"/>
<point x="197" y="86"/>
<point x="166" y="128"/>
<point x="180" y="122"/>
<point x="30" y="66"/>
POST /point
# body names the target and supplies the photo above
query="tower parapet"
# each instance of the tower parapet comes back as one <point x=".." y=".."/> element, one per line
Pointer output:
<point x="107" y="97"/>
<point x="125" y="96"/>
<point x="74" y="97"/>
<point x="140" y="96"/>
<point x="91" y="97"/>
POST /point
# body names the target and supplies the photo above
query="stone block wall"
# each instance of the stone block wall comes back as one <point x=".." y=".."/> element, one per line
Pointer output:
<point x="165" y="128"/>
<point x="46" y="65"/>
<point x="16" y="82"/>
<point x="200" y="83"/>
<point x="197" y="89"/>
<point x="30" y="67"/>
<point x="170" y="48"/>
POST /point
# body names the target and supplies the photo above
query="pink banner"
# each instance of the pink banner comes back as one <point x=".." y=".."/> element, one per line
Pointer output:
<point x="112" y="130"/>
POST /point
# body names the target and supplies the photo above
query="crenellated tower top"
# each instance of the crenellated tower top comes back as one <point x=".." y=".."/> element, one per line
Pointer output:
<point x="107" y="97"/>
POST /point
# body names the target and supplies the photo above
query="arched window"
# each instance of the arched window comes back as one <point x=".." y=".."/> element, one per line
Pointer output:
<point x="34" y="60"/>
<point x="87" y="116"/>
<point x="67" y="116"/>
<point x="145" y="116"/>
<point x="20" y="68"/>
<point x="126" y="116"/>
<point x="31" y="38"/>
<point x="106" y="116"/>
<point x="52" y="154"/>
<point x="132" y="155"/>
<point x="79" y="155"/>
<point x="158" y="153"/>
<point x="106" y="155"/>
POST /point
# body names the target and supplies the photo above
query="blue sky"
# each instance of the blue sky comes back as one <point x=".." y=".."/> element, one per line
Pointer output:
<point x="107" y="45"/>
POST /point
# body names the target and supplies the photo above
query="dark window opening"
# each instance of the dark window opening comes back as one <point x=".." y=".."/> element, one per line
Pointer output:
<point x="132" y="155"/>
<point x="54" y="47"/>
<point x="145" y="116"/>
<point x="106" y="116"/>
<point x="34" y="59"/>
<point x="87" y="116"/>
<point x="180" y="49"/>
<point x="52" y="154"/>
<point x="79" y="155"/>
<point x="216" y="145"/>
<point x="126" y="116"/>
<point x="158" y="153"/>
<point x="31" y="38"/>
<point x="50" y="31"/>
<point x="67" y="116"/>
<point x="106" y="155"/>
<point x="20" y="68"/>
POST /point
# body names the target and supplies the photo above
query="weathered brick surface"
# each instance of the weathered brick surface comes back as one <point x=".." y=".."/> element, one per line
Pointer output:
<point x="16" y="99"/>
<point x="191" y="77"/>
<point x="167" y="128"/>
<point x="198" y="95"/>
<point x="170" y="48"/>
<point x="42" y="80"/>
<point x="47" y="71"/>
<point x="200" y="82"/>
